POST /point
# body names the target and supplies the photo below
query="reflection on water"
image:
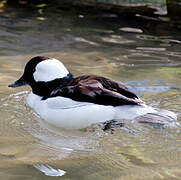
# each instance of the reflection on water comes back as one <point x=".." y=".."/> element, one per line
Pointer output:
<point x="146" y="61"/>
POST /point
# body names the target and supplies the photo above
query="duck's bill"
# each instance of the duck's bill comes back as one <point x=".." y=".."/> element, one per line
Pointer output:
<point x="18" y="83"/>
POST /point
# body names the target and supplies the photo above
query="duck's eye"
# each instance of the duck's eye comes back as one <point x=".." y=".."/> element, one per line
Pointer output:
<point x="33" y="70"/>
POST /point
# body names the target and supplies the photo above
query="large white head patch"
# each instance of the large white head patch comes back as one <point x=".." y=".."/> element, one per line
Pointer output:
<point x="49" y="70"/>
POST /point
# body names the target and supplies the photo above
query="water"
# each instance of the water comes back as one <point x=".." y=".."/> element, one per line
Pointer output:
<point x="147" y="60"/>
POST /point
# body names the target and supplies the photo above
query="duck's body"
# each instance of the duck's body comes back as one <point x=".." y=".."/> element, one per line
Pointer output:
<point x="75" y="103"/>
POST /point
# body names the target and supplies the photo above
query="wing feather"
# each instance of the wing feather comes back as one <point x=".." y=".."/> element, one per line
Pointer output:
<point x="98" y="90"/>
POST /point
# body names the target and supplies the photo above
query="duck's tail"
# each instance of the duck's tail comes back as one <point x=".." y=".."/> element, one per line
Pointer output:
<point x="159" y="117"/>
<point x="146" y="114"/>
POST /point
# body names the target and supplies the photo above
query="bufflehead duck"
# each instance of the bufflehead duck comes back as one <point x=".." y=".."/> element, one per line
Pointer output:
<point x="75" y="103"/>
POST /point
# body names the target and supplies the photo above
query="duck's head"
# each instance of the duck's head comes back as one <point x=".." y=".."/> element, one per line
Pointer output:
<point x="42" y="70"/>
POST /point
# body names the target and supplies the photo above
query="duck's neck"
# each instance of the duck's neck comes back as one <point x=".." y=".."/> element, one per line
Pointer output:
<point x="44" y="89"/>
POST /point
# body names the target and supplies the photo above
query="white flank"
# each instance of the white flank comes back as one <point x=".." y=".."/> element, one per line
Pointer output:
<point x="49" y="70"/>
<point x="70" y="114"/>
<point x="49" y="171"/>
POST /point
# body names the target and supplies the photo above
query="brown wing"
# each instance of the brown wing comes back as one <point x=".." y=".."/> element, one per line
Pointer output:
<point x="97" y="90"/>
